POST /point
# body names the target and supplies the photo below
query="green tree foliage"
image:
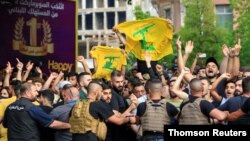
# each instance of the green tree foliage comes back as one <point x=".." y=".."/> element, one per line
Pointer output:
<point x="242" y="8"/>
<point x="139" y="14"/>
<point x="200" y="27"/>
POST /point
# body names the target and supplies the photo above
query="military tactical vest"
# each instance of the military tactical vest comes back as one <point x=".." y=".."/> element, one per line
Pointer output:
<point x="155" y="116"/>
<point x="191" y="114"/>
<point x="81" y="121"/>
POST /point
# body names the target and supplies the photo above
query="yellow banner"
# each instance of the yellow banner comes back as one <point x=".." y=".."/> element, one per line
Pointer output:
<point x="153" y="35"/>
<point x="108" y="59"/>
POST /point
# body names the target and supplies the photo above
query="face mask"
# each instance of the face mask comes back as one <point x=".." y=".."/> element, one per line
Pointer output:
<point x="170" y="75"/>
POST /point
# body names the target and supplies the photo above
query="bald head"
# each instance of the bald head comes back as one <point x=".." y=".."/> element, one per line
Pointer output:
<point x="93" y="86"/>
<point x="75" y="93"/>
<point x="155" y="86"/>
<point x="195" y="85"/>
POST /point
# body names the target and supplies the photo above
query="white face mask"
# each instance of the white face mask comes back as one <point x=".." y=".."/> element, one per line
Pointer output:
<point x="170" y="75"/>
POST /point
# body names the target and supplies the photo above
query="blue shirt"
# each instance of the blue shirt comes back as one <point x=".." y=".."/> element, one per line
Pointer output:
<point x="40" y="116"/>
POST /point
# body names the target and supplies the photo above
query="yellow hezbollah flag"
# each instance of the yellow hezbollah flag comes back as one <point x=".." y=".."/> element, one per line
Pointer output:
<point x="153" y="35"/>
<point x="107" y="59"/>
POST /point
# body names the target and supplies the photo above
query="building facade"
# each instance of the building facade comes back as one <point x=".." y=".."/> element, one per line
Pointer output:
<point x="96" y="19"/>
<point x="174" y="10"/>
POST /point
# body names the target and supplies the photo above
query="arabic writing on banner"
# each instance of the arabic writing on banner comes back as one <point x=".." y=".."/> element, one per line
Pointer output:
<point x="43" y="31"/>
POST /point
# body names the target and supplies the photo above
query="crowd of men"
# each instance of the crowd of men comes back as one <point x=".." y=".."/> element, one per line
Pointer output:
<point x="75" y="106"/>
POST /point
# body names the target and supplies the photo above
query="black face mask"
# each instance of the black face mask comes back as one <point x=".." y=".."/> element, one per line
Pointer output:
<point x="1" y="97"/>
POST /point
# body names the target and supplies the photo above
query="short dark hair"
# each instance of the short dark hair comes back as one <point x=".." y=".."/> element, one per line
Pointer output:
<point x="134" y="81"/>
<point x="246" y="85"/>
<point x="25" y="87"/>
<point x="134" y="69"/>
<point x="15" y="82"/>
<point x="82" y="74"/>
<point x="207" y="79"/>
<point x="230" y="81"/>
<point x="48" y="94"/>
<point x="105" y="86"/>
<point x="37" y="80"/>
<point x="70" y="74"/>
<point x="116" y="73"/>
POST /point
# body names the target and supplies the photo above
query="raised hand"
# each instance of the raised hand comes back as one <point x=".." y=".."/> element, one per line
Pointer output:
<point x="139" y="75"/>
<point x="29" y="65"/>
<point x="189" y="47"/>
<point x="231" y="52"/>
<point x="198" y="55"/>
<point x="8" y="68"/>
<point x="80" y="59"/>
<point x="169" y="21"/>
<point x="19" y="65"/>
<point x="115" y="29"/>
<point x="94" y="47"/>
<point x="237" y="48"/>
<point x="226" y="75"/>
<point x="185" y="70"/>
<point x="38" y="69"/>
<point x="178" y="43"/>
<point x="225" y="50"/>
<point x="53" y="75"/>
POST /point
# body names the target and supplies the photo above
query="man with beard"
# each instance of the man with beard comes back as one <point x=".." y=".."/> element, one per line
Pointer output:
<point x="83" y="80"/>
<point x="119" y="103"/>
<point x="212" y="72"/>
<point x="106" y="93"/>
<point x="212" y="69"/>
<point x="87" y="114"/>
<point x="235" y="103"/>
<point x="21" y="122"/>
<point x="238" y="87"/>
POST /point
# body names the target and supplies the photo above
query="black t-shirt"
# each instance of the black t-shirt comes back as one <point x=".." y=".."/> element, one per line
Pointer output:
<point x="118" y="132"/>
<point x="171" y="109"/>
<point x="118" y="102"/>
<point x="205" y="106"/>
<point x="99" y="110"/>
<point x="246" y="106"/>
